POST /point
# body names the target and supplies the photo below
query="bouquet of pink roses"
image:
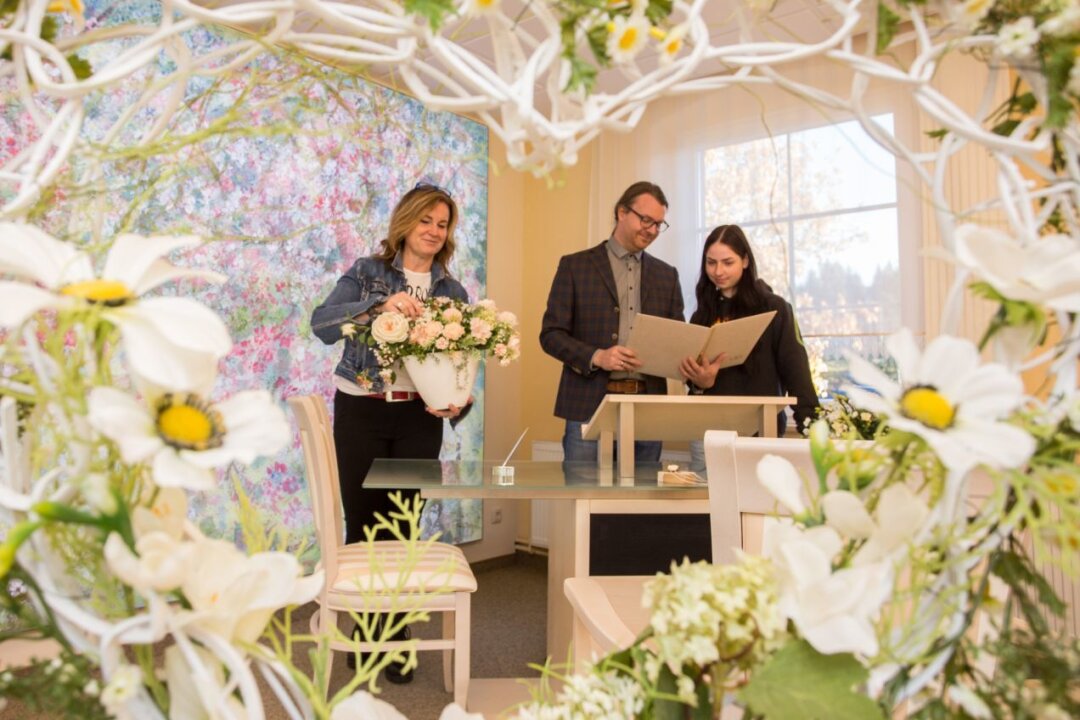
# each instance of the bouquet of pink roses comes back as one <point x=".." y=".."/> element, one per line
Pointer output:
<point x="446" y="326"/>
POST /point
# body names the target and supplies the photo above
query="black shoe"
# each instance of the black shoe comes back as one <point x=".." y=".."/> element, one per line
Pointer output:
<point x="393" y="670"/>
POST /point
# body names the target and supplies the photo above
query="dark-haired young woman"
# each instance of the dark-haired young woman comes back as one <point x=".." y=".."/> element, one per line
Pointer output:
<point x="729" y="288"/>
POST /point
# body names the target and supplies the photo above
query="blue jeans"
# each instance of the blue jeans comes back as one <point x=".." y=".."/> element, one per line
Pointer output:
<point x="575" y="449"/>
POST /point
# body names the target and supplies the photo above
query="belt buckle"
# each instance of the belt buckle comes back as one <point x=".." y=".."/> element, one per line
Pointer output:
<point x="632" y="387"/>
<point x="389" y="396"/>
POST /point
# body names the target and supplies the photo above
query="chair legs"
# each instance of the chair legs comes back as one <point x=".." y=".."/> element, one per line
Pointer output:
<point x="462" y="650"/>
<point x="448" y="621"/>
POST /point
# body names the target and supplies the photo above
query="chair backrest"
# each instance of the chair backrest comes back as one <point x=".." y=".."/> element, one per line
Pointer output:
<point x="738" y="503"/>
<point x="320" y="462"/>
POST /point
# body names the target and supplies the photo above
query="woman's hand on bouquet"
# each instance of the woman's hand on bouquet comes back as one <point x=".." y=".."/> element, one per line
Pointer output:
<point x="403" y="303"/>
<point x="451" y="412"/>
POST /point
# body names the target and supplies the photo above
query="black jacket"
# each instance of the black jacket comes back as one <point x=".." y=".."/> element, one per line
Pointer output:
<point x="777" y="365"/>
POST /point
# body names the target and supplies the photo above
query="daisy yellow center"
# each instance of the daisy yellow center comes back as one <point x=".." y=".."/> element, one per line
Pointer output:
<point x="628" y="39"/>
<point x="485" y="3"/>
<point x="928" y="406"/>
<point x="672" y="48"/>
<point x="104" y="292"/>
<point x="187" y="423"/>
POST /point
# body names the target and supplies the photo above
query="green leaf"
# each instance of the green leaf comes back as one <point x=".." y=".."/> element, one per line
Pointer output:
<point x="938" y="134"/>
<point x="887" y="23"/>
<point x="664" y="708"/>
<point x="433" y="10"/>
<point x="800" y="682"/>
<point x="1019" y="574"/>
<point x="582" y="75"/>
<point x="597" y="37"/>
<point x="658" y="10"/>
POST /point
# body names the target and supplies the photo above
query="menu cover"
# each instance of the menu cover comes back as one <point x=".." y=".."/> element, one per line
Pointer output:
<point x="661" y="344"/>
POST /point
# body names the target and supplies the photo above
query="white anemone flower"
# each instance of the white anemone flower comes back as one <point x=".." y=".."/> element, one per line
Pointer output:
<point x="174" y="342"/>
<point x="1045" y="272"/>
<point x="183" y="437"/>
<point x="626" y="37"/>
<point x="948" y="399"/>
<point x="234" y="595"/>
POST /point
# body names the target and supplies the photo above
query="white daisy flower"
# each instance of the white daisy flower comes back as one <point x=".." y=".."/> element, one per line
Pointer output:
<point x="948" y="399"/>
<point x="183" y="437"/>
<point x="626" y="37"/>
<point x="479" y="7"/>
<point x="1018" y="38"/>
<point x="173" y="342"/>
<point x="970" y="13"/>
<point x="671" y="43"/>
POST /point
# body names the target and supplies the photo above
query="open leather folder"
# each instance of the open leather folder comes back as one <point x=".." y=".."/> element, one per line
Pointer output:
<point x="661" y="344"/>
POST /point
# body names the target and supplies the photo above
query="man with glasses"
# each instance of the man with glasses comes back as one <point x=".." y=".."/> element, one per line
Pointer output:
<point x="595" y="297"/>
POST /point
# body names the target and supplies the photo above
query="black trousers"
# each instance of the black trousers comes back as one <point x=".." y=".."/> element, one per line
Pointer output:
<point x="366" y="428"/>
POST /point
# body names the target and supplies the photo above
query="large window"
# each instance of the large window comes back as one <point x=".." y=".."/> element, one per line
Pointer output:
<point x="820" y="209"/>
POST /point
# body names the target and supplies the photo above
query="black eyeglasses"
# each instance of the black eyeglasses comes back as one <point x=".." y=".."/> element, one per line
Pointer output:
<point x="425" y="185"/>
<point x="648" y="223"/>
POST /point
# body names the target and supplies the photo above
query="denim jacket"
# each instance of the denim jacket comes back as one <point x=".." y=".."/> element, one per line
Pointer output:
<point x="366" y="284"/>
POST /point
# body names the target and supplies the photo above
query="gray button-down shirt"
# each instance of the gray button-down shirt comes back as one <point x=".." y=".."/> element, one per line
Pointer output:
<point x="626" y="266"/>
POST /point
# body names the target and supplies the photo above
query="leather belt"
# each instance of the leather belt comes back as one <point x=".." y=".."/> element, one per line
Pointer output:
<point x="626" y="387"/>
<point x="395" y="395"/>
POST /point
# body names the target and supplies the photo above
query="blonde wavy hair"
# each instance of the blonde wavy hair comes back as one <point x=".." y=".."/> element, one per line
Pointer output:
<point x="413" y="206"/>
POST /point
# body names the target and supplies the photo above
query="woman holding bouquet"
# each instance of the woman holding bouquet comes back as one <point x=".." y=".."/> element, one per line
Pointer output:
<point x="376" y="415"/>
<point x="729" y="288"/>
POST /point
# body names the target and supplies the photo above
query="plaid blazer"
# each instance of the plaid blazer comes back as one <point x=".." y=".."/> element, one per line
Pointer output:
<point x="582" y="316"/>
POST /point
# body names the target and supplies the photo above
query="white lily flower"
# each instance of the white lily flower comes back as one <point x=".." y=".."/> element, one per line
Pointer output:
<point x="782" y="481"/>
<point x="174" y="342"/>
<point x="160" y="566"/>
<point x="626" y="37"/>
<point x="1045" y="272"/>
<point x="167" y="514"/>
<point x="947" y="398"/>
<point x="184" y="438"/>
<point x="833" y="611"/>
<point x="845" y="512"/>
<point x="234" y="596"/>
<point x="900" y="514"/>
<point x="363" y="704"/>
<point x="185" y="700"/>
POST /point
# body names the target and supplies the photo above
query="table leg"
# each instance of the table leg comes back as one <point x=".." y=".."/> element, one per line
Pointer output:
<point x="768" y="421"/>
<point x="607" y="447"/>
<point x="626" y="440"/>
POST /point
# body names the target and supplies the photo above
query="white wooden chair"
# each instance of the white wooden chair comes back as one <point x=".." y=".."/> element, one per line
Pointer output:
<point x="607" y="610"/>
<point x="379" y="578"/>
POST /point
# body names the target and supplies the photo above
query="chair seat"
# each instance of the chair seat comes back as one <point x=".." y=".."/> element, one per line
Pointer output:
<point x="440" y="568"/>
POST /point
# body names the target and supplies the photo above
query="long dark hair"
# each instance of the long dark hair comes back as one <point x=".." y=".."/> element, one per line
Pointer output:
<point x="751" y="291"/>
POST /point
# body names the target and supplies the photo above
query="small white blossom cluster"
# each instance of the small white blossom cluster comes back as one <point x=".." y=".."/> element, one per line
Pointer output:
<point x="591" y="696"/>
<point x="447" y="325"/>
<point x="705" y="614"/>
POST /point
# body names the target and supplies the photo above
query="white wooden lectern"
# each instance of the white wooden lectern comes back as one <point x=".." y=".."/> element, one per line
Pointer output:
<point x="676" y="417"/>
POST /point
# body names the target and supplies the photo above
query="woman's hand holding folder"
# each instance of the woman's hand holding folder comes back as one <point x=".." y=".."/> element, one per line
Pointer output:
<point x="700" y="372"/>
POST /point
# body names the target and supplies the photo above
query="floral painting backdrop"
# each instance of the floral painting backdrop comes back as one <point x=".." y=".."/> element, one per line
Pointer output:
<point x="292" y="169"/>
